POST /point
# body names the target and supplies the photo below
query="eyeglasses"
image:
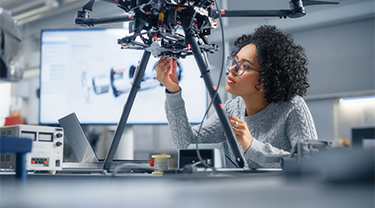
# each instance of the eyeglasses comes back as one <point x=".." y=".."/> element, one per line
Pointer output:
<point x="240" y="66"/>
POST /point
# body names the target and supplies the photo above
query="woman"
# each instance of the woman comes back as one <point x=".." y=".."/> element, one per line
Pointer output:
<point x="267" y="73"/>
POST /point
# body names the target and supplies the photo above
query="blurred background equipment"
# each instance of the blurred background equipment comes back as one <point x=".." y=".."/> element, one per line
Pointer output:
<point x="47" y="147"/>
<point x="14" y="119"/>
<point x="10" y="38"/>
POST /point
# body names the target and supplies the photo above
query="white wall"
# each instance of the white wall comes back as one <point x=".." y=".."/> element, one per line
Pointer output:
<point x="353" y="115"/>
<point x="5" y="101"/>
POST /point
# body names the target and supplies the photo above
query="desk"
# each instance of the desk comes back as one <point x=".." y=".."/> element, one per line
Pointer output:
<point x="146" y="190"/>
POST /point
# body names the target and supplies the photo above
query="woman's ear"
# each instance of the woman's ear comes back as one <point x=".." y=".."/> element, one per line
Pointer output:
<point x="262" y="87"/>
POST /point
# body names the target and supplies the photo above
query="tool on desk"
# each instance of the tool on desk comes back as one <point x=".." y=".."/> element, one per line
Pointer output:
<point x="300" y="151"/>
<point x="160" y="162"/>
<point x="47" y="147"/>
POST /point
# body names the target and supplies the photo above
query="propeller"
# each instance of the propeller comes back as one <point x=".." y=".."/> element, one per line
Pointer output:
<point x="308" y="2"/>
<point x="297" y="8"/>
<point x="88" y="6"/>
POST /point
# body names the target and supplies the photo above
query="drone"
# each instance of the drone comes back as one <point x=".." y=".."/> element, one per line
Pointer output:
<point x="154" y="24"/>
<point x="154" y="27"/>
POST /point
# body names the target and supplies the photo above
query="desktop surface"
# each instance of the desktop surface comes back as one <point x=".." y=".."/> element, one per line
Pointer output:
<point x="146" y="190"/>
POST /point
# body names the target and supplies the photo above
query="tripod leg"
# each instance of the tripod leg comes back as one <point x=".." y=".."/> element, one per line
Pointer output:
<point x="216" y="101"/>
<point x="125" y="113"/>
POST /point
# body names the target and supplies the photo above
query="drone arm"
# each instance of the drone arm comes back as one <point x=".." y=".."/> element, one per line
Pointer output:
<point x="254" y="13"/>
<point x="83" y="21"/>
<point x="82" y="17"/>
<point x="295" y="13"/>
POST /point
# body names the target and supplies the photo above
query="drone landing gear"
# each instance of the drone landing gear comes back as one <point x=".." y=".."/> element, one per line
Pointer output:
<point x="211" y="90"/>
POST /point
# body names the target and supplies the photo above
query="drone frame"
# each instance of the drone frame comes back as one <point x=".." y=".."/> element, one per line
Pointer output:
<point x="153" y="25"/>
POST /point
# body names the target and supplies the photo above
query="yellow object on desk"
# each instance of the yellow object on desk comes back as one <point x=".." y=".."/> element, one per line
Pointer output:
<point x="161" y="162"/>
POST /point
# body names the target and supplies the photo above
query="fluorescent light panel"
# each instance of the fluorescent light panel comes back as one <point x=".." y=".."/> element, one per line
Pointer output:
<point x="366" y="99"/>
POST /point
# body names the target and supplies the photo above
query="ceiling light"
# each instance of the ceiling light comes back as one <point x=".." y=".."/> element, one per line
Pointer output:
<point x="367" y="99"/>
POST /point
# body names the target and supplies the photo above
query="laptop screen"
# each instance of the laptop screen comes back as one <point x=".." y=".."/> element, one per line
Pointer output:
<point x="78" y="139"/>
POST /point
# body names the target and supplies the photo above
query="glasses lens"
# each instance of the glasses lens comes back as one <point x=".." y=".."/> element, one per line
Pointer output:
<point x="229" y="63"/>
<point x="240" y="68"/>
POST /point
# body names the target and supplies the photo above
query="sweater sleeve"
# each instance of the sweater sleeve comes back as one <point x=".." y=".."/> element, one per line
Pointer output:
<point x="299" y="125"/>
<point x="255" y="155"/>
<point x="182" y="132"/>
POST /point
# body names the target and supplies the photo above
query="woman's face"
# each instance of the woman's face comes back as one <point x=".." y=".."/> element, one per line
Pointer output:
<point x="244" y="85"/>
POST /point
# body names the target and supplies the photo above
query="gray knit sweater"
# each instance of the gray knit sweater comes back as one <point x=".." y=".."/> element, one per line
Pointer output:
<point x="275" y="129"/>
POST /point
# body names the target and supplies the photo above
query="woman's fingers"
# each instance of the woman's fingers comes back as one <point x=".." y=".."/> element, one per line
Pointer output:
<point x="166" y="73"/>
<point x="234" y="121"/>
<point x="241" y="131"/>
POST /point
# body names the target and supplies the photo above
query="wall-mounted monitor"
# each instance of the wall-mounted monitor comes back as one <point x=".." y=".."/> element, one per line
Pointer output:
<point x="87" y="72"/>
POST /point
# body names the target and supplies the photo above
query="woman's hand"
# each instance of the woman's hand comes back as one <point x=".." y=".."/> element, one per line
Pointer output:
<point x="241" y="131"/>
<point x="166" y="73"/>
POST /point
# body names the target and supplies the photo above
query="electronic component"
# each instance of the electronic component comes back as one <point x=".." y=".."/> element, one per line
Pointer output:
<point x="212" y="154"/>
<point x="47" y="148"/>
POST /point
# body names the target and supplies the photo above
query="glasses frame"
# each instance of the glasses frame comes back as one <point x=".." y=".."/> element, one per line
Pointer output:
<point x="231" y="61"/>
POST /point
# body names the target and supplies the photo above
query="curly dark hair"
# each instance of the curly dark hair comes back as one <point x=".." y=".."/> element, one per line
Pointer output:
<point x="282" y="63"/>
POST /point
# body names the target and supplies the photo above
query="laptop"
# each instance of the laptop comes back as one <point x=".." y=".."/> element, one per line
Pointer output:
<point x="78" y="139"/>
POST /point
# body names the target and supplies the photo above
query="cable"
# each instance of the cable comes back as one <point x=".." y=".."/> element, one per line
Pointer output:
<point x="214" y="97"/>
